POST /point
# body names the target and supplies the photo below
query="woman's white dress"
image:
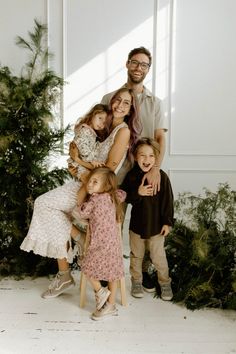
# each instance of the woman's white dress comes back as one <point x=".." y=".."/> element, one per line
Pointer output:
<point x="51" y="223"/>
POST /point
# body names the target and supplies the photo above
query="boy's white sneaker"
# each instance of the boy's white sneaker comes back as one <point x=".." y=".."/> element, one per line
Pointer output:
<point x="136" y="289"/>
<point x="166" y="292"/>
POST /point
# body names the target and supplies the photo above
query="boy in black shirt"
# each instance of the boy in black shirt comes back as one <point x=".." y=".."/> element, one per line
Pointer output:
<point x="151" y="218"/>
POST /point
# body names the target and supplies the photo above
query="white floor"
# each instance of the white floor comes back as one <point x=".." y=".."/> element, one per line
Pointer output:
<point x="30" y="324"/>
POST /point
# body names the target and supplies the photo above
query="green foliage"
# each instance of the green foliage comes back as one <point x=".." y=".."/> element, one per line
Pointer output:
<point x="201" y="249"/>
<point x="28" y="136"/>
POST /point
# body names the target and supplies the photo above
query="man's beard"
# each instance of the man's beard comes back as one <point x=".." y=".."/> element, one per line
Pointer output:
<point x="135" y="80"/>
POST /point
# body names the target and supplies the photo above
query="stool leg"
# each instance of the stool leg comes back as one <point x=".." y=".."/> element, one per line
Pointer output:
<point x="83" y="283"/>
<point x="123" y="292"/>
<point x="83" y="278"/>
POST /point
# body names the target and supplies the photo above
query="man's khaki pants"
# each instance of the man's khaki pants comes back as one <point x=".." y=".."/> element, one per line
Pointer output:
<point x="155" y="245"/>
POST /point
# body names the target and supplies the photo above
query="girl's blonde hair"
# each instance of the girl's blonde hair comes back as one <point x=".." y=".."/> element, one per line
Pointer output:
<point x="110" y="187"/>
<point x="87" y="119"/>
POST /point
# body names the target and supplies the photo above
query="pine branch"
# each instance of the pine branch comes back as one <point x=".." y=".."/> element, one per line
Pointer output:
<point x="201" y="250"/>
<point x="27" y="139"/>
<point x="21" y="42"/>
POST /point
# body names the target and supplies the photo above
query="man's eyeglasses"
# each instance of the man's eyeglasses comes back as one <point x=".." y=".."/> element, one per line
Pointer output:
<point x="136" y="64"/>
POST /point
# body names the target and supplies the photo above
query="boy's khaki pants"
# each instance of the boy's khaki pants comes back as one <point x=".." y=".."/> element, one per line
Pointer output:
<point x="157" y="254"/>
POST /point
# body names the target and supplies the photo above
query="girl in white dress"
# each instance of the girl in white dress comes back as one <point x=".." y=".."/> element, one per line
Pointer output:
<point x="89" y="131"/>
<point x="51" y="226"/>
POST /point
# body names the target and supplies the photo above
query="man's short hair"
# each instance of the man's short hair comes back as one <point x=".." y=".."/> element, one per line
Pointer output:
<point x="141" y="50"/>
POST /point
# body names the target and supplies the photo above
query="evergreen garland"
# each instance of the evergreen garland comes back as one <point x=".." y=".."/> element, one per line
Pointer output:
<point x="28" y="134"/>
<point x="201" y="250"/>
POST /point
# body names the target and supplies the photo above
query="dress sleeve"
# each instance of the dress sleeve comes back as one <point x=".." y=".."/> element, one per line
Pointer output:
<point x="84" y="211"/>
<point x="86" y="143"/>
<point x="121" y="195"/>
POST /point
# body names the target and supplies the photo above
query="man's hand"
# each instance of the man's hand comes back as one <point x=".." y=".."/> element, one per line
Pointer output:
<point x="154" y="179"/>
<point x="145" y="190"/>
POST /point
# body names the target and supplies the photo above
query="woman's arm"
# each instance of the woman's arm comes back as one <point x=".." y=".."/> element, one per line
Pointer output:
<point x="72" y="170"/>
<point x="81" y="195"/>
<point x="115" y="155"/>
<point x="118" y="148"/>
<point x="74" y="154"/>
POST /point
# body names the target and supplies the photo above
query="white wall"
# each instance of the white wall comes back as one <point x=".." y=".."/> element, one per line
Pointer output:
<point x="202" y="98"/>
<point x="98" y="36"/>
<point x="16" y="19"/>
<point x="194" y="50"/>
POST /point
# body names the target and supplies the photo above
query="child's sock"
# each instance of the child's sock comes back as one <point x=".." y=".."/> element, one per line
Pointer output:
<point x="77" y="237"/>
<point x="63" y="272"/>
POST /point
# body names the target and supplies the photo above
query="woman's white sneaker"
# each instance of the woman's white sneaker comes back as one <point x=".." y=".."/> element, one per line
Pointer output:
<point x="59" y="285"/>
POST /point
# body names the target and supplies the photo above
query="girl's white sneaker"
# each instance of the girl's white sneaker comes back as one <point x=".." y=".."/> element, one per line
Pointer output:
<point x="106" y="311"/>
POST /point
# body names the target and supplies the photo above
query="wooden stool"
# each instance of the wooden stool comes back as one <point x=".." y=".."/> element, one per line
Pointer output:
<point x="83" y="279"/>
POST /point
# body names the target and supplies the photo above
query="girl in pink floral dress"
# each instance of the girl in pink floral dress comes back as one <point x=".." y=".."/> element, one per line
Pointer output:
<point x="103" y="259"/>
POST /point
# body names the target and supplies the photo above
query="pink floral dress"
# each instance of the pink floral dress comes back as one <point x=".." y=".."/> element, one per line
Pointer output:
<point x="103" y="259"/>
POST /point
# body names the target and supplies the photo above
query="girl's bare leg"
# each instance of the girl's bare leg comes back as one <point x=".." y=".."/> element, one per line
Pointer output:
<point x="95" y="284"/>
<point x="109" y="308"/>
<point x="112" y="286"/>
<point x="101" y="294"/>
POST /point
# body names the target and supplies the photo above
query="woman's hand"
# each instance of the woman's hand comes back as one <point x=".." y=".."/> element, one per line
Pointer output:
<point x="97" y="164"/>
<point x="74" y="154"/>
<point x="84" y="177"/>
<point x="73" y="151"/>
<point x="72" y="170"/>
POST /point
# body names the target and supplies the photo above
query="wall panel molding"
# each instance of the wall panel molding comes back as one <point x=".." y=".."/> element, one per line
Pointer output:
<point x="199" y="154"/>
<point x="199" y="170"/>
<point x="195" y="180"/>
<point x="182" y="47"/>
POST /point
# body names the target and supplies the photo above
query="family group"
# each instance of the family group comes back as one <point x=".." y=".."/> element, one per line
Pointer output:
<point x="115" y="160"/>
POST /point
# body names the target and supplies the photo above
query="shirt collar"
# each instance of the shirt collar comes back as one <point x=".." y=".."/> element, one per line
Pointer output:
<point x="138" y="169"/>
<point x="145" y="92"/>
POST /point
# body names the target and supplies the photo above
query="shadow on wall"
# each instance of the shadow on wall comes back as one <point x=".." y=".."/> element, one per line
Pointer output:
<point x="99" y="37"/>
<point x="93" y="26"/>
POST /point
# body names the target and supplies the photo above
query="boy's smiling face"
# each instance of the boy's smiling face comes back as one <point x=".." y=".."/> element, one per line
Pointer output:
<point x="145" y="157"/>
